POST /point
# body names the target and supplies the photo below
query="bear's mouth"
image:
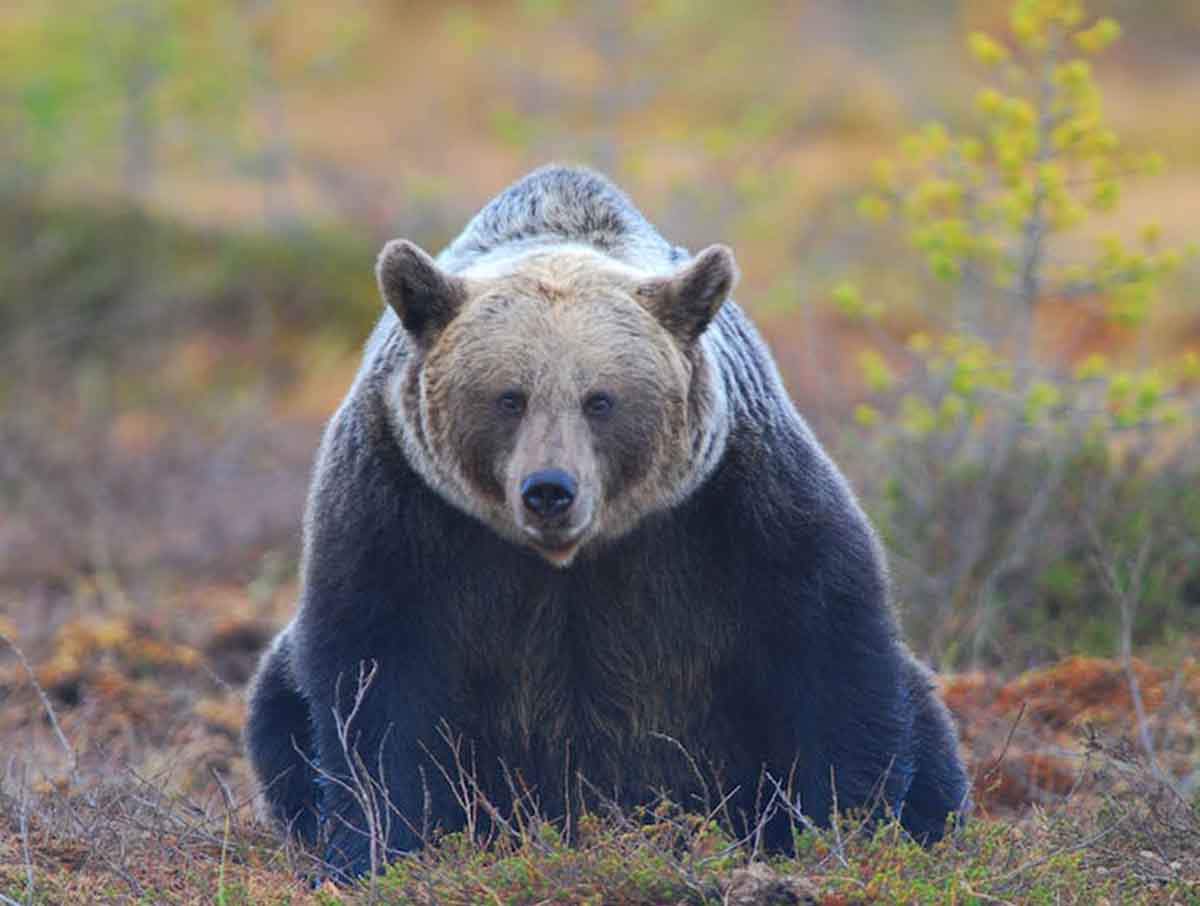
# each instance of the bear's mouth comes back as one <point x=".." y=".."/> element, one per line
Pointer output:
<point x="558" y="548"/>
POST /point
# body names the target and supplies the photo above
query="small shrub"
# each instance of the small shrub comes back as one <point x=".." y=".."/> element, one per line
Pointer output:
<point x="1006" y="473"/>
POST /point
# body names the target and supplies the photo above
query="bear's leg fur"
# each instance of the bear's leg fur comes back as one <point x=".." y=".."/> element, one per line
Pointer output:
<point x="940" y="783"/>
<point x="371" y="741"/>
<point x="278" y="730"/>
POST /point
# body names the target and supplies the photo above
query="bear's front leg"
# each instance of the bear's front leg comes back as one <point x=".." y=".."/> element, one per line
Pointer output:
<point x="278" y="739"/>
<point x="381" y="793"/>
<point x="825" y="695"/>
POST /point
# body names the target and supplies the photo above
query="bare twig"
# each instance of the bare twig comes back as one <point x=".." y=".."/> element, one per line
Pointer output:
<point x="46" y="706"/>
<point x="26" y="849"/>
<point x="988" y="773"/>
<point x="1127" y="594"/>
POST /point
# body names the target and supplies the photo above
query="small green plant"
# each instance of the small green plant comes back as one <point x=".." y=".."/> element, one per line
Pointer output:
<point x="982" y="435"/>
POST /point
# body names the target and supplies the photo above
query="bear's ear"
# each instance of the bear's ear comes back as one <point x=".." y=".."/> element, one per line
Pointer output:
<point x="424" y="296"/>
<point x="689" y="299"/>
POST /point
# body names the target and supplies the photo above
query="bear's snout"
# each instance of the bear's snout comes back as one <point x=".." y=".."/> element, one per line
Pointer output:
<point x="554" y="511"/>
<point x="549" y="492"/>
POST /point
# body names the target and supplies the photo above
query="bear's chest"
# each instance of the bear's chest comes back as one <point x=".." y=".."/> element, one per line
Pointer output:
<point x="587" y="656"/>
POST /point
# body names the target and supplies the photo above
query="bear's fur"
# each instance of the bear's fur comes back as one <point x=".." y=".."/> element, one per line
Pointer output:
<point x="710" y="608"/>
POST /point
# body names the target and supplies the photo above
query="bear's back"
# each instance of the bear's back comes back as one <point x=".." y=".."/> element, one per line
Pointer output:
<point x="557" y="204"/>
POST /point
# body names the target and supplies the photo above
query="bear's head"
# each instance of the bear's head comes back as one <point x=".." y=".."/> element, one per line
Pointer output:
<point x="560" y="396"/>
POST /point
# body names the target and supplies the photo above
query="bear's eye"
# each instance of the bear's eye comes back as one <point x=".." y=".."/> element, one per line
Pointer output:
<point x="511" y="402"/>
<point x="598" y="404"/>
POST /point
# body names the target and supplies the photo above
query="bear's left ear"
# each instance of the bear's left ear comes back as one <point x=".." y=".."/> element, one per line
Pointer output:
<point x="424" y="296"/>
<point x="687" y="301"/>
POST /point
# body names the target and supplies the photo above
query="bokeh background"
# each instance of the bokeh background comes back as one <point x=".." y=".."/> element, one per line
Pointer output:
<point x="192" y="193"/>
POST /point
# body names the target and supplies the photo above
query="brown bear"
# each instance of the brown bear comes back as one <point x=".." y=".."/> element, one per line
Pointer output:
<point x="568" y="516"/>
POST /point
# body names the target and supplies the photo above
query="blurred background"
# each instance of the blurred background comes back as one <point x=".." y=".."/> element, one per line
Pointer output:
<point x="192" y="193"/>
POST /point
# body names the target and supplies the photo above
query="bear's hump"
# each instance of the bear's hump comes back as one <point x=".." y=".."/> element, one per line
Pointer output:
<point x="563" y="204"/>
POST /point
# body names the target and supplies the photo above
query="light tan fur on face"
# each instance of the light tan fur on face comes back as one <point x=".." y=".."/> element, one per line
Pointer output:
<point x="557" y="326"/>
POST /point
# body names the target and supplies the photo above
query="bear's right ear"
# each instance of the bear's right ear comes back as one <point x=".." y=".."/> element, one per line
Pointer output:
<point x="424" y="296"/>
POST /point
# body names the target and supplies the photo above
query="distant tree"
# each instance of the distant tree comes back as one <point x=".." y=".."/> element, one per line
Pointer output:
<point x="957" y="413"/>
<point x="98" y="82"/>
<point x="101" y="90"/>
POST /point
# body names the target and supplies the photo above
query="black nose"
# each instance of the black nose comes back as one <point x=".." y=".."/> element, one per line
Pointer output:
<point x="548" y="492"/>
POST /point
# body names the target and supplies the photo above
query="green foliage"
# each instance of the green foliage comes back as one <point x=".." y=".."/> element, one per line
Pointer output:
<point x="118" y="276"/>
<point x="676" y="859"/>
<point x="122" y="83"/>
<point x="85" y="74"/>
<point x="958" y="415"/>
<point x="656" y="856"/>
<point x="981" y="207"/>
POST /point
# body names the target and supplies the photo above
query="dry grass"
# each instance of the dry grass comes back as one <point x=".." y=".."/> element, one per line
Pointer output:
<point x="124" y="783"/>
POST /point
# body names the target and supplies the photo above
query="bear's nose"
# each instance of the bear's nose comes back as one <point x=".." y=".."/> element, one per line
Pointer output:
<point x="548" y="492"/>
